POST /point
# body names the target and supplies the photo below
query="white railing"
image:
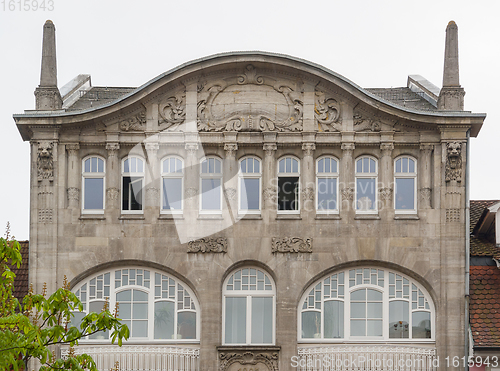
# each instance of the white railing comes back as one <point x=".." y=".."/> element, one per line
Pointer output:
<point x="141" y="358"/>
<point x="366" y="358"/>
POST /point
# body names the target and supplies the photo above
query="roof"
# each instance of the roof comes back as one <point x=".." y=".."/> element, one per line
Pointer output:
<point x="476" y="210"/>
<point x="21" y="282"/>
<point x="485" y="305"/>
<point x="404" y="97"/>
<point x="481" y="245"/>
<point x="98" y="96"/>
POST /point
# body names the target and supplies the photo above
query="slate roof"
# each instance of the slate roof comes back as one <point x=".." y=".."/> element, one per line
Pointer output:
<point x="485" y="305"/>
<point x="403" y="97"/>
<point x="21" y="282"/>
<point x="98" y="96"/>
<point x="476" y="210"/>
<point x="481" y="245"/>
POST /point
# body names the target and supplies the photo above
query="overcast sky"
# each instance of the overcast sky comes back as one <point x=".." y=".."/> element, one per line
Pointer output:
<point x="127" y="43"/>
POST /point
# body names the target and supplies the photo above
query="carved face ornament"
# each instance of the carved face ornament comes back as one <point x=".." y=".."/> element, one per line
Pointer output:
<point x="454" y="154"/>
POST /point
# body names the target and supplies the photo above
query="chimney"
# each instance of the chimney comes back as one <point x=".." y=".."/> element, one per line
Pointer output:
<point x="47" y="94"/>
<point x="451" y="97"/>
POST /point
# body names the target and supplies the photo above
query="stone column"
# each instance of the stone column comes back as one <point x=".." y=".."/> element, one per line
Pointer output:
<point x="192" y="170"/>
<point x="346" y="185"/>
<point x="74" y="175"/>
<point x="113" y="174"/>
<point x="230" y="173"/>
<point x="270" y="181"/>
<point x="425" y="175"/>
<point x="152" y="182"/>
<point x="308" y="208"/>
<point x="386" y="177"/>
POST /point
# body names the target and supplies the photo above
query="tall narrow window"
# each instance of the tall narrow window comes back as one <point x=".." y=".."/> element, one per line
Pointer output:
<point x="405" y="179"/>
<point x="211" y="185"/>
<point x="327" y="185"/>
<point x="248" y="308"/>
<point x="93" y="174"/>
<point x="172" y="174"/>
<point x="132" y="185"/>
<point x="366" y="185"/>
<point x="249" y="184"/>
<point x="288" y="185"/>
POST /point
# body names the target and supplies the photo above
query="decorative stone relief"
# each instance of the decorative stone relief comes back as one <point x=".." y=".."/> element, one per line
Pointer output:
<point x="308" y="194"/>
<point x="112" y="148"/>
<point x="308" y="149"/>
<point x="153" y="195"/>
<point x="347" y="193"/>
<point x="233" y="104"/>
<point x="191" y="192"/>
<point x="270" y="148"/>
<point x="453" y="169"/>
<point x="135" y="123"/>
<point x="112" y="193"/>
<point x="230" y="149"/>
<point x="291" y="244"/>
<point x="191" y="148"/>
<point x="230" y="194"/>
<point x="453" y="215"/>
<point x="385" y="193"/>
<point x="72" y="149"/>
<point x="73" y="194"/>
<point x="45" y="216"/>
<point x="387" y="148"/>
<point x="425" y="196"/>
<point x="348" y="146"/>
<point x="45" y="160"/>
<point x="271" y="194"/>
<point x="209" y="244"/>
<point x="327" y="113"/>
<point x="269" y="359"/>
<point x="172" y="112"/>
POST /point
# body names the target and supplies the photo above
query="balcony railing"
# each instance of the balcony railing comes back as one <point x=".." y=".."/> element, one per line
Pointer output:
<point x="366" y="358"/>
<point x="142" y="358"/>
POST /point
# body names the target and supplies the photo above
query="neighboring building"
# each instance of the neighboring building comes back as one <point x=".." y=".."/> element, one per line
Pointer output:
<point x="21" y="282"/>
<point x="256" y="211"/>
<point x="485" y="283"/>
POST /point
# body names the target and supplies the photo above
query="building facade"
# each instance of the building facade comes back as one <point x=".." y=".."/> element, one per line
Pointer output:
<point x="256" y="211"/>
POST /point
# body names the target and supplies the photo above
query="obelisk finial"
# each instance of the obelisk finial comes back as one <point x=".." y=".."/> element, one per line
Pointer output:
<point x="451" y="97"/>
<point x="47" y="94"/>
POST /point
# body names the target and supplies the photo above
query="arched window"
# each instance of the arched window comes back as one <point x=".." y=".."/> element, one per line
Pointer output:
<point x="154" y="305"/>
<point x="249" y="185"/>
<point x="132" y="184"/>
<point x="211" y="185"/>
<point x="405" y="187"/>
<point x="327" y="185"/>
<point x="366" y="304"/>
<point x="172" y="174"/>
<point x="366" y="185"/>
<point x="288" y="185"/>
<point x="93" y="175"/>
<point x="249" y="308"/>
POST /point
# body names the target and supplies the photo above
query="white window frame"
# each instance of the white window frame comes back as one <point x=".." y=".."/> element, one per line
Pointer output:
<point x="172" y="175"/>
<point x="289" y="174"/>
<point x="327" y="175"/>
<point x="113" y="290"/>
<point x="211" y="176"/>
<point x="248" y="294"/>
<point x="246" y="175"/>
<point x="94" y="175"/>
<point x="406" y="175"/>
<point x="385" y="309"/>
<point x="366" y="175"/>
<point x="135" y="174"/>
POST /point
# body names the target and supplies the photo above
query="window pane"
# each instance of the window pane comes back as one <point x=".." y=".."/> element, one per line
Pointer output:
<point x="288" y="192"/>
<point x="411" y="165"/>
<point x="262" y="320"/>
<point x="124" y="296"/>
<point x="140" y="310"/>
<point x="94" y="194"/>
<point x="243" y="166"/>
<point x="100" y="165"/>
<point x="334" y="319"/>
<point x="256" y="166"/>
<point x="365" y="194"/>
<point x="186" y="323"/>
<point x="164" y="319"/>
<point x="172" y="193"/>
<point x="421" y="325"/>
<point x="311" y="325"/>
<point x="236" y="311"/>
<point x="97" y="306"/>
<point x="358" y="310"/>
<point x="87" y="166"/>
<point x="281" y="167"/>
<point x="139" y="329"/>
<point x="76" y="319"/>
<point x="399" y="319"/>
<point x="358" y="327"/>
<point x="295" y="166"/>
<point x="93" y="167"/>
<point x="374" y="310"/>
<point x="327" y="193"/>
<point x="132" y="193"/>
<point x="405" y="194"/>
<point x="210" y="198"/>
<point x="374" y="328"/>
<point x="250" y="193"/>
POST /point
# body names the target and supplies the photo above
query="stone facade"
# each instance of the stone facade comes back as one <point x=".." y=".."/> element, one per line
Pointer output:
<point x="267" y="106"/>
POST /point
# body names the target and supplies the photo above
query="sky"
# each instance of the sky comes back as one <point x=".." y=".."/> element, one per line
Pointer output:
<point x="127" y="43"/>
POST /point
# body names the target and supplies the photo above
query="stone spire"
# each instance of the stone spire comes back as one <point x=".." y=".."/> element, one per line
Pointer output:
<point x="451" y="97"/>
<point x="47" y="94"/>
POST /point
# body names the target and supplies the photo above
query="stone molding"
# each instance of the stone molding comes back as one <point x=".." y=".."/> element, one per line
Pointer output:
<point x="291" y="244"/>
<point x="45" y="160"/>
<point x="208" y="244"/>
<point x="268" y="356"/>
<point x="453" y="170"/>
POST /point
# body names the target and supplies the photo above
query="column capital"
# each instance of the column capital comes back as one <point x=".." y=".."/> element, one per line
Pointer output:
<point x="73" y="148"/>
<point x="386" y="148"/>
<point x="270" y="148"/>
<point x="191" y="148"/>
<point x="426" y="147"/>
<point x="152" y="147"/>
<point x="112" y="148"/>
<point x="348" y="146"/>
<point x="230" y="149"/>
<point x="308" y="148"/>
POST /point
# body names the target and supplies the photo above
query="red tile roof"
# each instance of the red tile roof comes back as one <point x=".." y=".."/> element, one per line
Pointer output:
<point x="21" y="282"/>
<point x="485" y="305"/>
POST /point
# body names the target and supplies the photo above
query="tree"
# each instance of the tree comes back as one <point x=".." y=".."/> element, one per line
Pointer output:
<point x="31" y="329"/>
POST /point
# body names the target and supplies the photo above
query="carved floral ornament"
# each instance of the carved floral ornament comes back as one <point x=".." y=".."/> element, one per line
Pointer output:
<point x="208" y="244"/>
<point x="235" y="104"/>
<point x="172" y="112"/>
<point x="327" y="113"/>
<point x="270" y="360"/>
<point x="135" y="123"/>
<point x="291" y="244"/>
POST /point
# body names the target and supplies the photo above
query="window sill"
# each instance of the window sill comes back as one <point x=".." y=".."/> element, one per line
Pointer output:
<point x="210" y="217"/>
<point x="131" y="217"/>
<point x="171" y="217"/>
<point x="367" y="217"/>
<point x="250" y="217"/>
<point x="288" y="216"/>
<point x="406" y="217"/>
<point x="328" y="217"/>
<point x="92" y="217"/>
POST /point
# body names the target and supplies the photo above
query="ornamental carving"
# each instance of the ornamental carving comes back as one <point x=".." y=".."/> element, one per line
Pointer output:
<point x="453" y="169"/>
<point x="191" y="148"/>
<point x="73" y="194"/>
<point x="45" y="161"/>
<point x="112" y="193"/>
<point x="230" y="194"/>
<point x="230" y="149"/>
<point x="269" y="149"/>
<point x="308" y="194"/>
<point x="308" y="149"/>
<point x="385" y="193"/>
<point x="135" y="123"/>
<point x="72" y="149"/>
<point x="172" y="112"/>
<point x="191" y="192"/>
<point x="45" y="216"/>
<point x="112" y="148"/>
<point x="291" y="244"/>
<point x="153" y="195"/>
<point x="348" y="146"/>
<point x="235" y="104"/>
<point x="209" y="244"/>
<point x="327" y="113"/>
<point x="425" y="197"/>
<point x="347" y="193"/>
<point x="270" y="360"/>
<point x="364" y="124"/>
<point x="453" y="215"/>
<point x="271" y="194"/>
